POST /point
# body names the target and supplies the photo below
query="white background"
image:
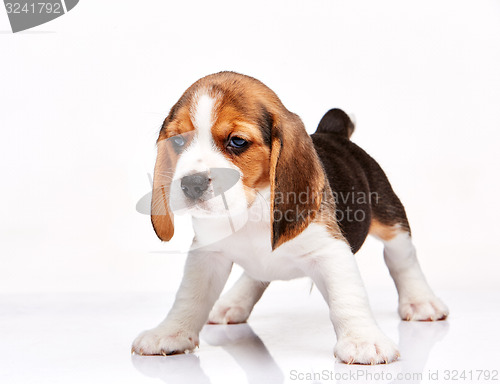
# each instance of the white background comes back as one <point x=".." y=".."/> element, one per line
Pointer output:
<point x="82" y="99"/>
<point x="81" y="102"/>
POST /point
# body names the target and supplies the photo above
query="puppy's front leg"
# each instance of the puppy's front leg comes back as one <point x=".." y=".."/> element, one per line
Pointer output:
<point x="359" y="339"/>
<point x="205" y="274"/>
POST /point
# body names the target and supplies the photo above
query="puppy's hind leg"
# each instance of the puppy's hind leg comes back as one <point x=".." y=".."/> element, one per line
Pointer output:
<point x="236" y="305"/>
<point x="417" y="301"/>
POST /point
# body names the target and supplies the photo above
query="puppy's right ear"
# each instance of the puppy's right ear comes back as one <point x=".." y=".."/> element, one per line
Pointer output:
<point x="161" y="215"/>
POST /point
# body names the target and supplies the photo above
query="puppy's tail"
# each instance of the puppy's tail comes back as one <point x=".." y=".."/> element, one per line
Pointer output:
<point x="336" y="121"/>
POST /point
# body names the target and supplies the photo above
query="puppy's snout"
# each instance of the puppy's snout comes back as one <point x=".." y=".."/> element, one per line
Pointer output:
<point x="193" y="186"/>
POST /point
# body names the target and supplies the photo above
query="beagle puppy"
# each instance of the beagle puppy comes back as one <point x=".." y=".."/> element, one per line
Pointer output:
<point x="282" y="204"/>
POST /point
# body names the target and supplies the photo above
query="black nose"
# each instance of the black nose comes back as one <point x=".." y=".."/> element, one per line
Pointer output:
<point x="193" y="186"/>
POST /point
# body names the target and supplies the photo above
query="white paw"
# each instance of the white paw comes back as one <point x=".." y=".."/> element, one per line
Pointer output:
<point x="422" y="309"/>
<point x="370" y="348"/>
<point x="164" y="341"/>
<point x="224" y="313"/>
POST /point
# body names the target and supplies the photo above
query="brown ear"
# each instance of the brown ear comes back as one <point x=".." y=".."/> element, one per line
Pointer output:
<point x="161" y="215"/>
<point x="297" y="179"/>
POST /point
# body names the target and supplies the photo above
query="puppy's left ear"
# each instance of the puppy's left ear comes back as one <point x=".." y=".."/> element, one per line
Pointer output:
<point x="297" y="179"/>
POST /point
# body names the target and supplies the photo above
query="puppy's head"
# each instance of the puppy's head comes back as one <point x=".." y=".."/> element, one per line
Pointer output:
<point x="233" y="122"/>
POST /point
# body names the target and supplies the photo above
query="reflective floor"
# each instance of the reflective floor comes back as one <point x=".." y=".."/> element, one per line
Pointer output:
<point x="73" y="338"/>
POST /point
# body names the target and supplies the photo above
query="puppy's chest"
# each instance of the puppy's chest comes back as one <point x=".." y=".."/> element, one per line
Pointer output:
<point x="251" y="249"/>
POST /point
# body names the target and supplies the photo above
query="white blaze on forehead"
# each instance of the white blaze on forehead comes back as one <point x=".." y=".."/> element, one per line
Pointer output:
<point x="203" y="115"/>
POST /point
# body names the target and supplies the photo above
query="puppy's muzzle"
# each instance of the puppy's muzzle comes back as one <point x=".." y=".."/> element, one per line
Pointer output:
<point x="195" y="185"/>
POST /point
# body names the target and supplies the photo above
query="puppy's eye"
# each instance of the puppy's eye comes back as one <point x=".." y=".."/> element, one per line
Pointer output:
<point x="178" y="141"/>
<point x="237" y="142"/>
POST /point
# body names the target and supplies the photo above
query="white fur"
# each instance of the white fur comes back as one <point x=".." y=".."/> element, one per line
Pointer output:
<point x="203" y="114"/>
<point x="416" y="299"/>
<point x="235" y="306"/>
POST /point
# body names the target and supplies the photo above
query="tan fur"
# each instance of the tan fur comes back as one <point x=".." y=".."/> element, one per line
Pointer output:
<point x="383" y="231"/>
<point x="161" y="215"/>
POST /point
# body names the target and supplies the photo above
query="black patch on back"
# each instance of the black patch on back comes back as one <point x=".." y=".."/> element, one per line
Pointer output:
<point x="360" y="187"/>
